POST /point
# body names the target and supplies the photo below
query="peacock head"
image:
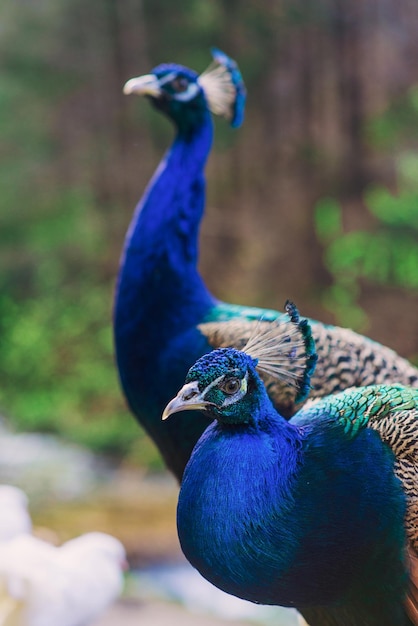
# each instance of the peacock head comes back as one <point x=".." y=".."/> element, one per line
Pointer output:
<point x="223" y="383"/>
<point x="186" y="97"/>
<point x="226" y="384"/>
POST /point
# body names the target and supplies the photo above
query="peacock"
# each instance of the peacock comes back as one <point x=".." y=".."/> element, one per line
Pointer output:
<point x="319" y="512"/>
<point x="165" y="317"/>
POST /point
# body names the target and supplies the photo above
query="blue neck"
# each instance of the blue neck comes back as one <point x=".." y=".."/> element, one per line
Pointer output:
<point x="158" y="266"/>
<point x="166" y="220"/>
<point x="160" y="296"/>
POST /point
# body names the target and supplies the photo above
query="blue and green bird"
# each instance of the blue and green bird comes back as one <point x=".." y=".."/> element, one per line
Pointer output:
<point x="165" y="317"/>
<point x="319" y="512"/>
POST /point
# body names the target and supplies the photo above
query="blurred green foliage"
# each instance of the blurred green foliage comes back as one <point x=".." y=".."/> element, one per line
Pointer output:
<point x="56" y="354"/>
<point x="387" y="254"/>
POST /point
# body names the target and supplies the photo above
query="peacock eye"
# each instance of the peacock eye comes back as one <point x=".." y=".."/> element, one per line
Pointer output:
<point x="180" y="84"/>
<point x="231" y="386"/>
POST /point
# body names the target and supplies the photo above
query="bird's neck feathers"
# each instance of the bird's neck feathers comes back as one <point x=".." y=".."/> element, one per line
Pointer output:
<point x="268" y="448"/>
<point x="167" y="219"/>
<point x="234" y="474"/>
<point x="160" y="294"/>
<point x="159" y="262"/>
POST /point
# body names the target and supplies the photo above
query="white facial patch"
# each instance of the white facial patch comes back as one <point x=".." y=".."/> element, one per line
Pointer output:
<point x="190" y="93"/>
<point x="167" y="79"/>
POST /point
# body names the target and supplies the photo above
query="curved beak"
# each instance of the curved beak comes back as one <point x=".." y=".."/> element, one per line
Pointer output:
<point x="146" y="85"/>
<point x="188" y="398"/>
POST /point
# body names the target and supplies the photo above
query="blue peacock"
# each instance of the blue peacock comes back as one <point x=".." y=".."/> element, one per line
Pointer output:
<point x="165" y="318"/>
<point x="319" y="512"/>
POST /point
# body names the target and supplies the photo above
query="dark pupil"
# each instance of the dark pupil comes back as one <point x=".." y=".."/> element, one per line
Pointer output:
<point x="231" y="386"/>
<point x="179" y="84"/>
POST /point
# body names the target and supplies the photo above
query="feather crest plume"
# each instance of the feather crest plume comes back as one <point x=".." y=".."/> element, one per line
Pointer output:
<point x="224" y="88"/>
<point x="285" y="351"/>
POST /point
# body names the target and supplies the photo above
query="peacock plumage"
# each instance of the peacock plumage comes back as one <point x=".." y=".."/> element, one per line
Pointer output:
<point x="318" y="512"/>
<point x="165" y="318"/>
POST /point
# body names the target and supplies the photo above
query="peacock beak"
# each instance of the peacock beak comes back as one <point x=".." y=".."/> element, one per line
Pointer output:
<point x="188" y="398"/>
<point x="146" y="85"/>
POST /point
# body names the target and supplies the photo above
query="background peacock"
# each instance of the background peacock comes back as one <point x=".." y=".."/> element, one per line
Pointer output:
<point x="165" y="317"/>
<point x="318" y="512"/>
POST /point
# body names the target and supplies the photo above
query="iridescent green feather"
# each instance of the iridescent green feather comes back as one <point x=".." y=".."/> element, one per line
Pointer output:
<point x="359" y="407"/>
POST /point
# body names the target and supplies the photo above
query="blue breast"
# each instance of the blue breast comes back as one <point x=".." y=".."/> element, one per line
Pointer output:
<point x="277" y="517"/>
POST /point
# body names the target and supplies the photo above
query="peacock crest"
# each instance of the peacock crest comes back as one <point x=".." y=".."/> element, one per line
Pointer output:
<point x="224" y="88"/>
<point x="285" y="351"/>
